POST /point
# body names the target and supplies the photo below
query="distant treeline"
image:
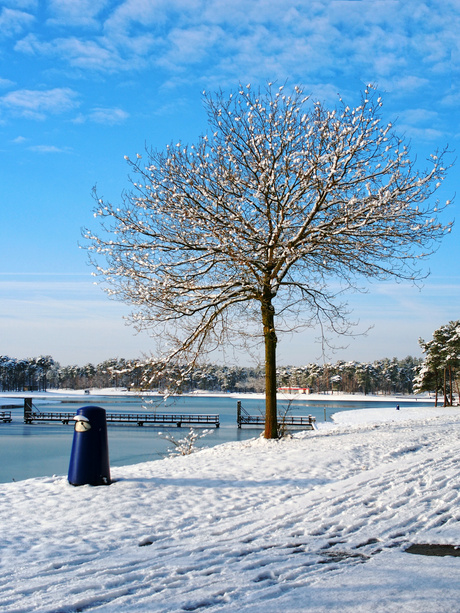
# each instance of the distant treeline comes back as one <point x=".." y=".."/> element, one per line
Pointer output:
<point x="386" y="376"/>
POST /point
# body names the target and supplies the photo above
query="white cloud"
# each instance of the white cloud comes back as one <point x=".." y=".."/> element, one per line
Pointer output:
<point x="21" y="4"/>
<point x="101" y="54"/>
<point x="418" y="116"/>
<point x="131" y="15"/>
<point x="37" y="104"/>
<point x="71" y="13"/>
<point x="451" y="99"/>
<point x="87" y="54"/>
<point x="262" y="39"/>
<point x="47" y="149"/>
<point x="189" y="46"/>
<point x="422" y="135"/>
<point x="109" y="116"/>
<point x="6" y="83"/>
<point x="403" y="85"/>
<point x="13" y="22"/>
<point x="421" y="125"/>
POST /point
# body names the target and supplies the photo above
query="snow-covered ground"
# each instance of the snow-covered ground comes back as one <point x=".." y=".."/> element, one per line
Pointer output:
<point x="319" y="522"/>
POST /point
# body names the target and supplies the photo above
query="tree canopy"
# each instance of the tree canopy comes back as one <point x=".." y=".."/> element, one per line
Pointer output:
<point x="281" y="197"/>
<point x="442" y="362"/>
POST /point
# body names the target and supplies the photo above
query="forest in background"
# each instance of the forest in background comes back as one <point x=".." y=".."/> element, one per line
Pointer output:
<point x="386" y="376"/>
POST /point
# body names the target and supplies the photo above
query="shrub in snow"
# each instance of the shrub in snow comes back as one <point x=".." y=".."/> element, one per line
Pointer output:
<point x="186" y="445"/>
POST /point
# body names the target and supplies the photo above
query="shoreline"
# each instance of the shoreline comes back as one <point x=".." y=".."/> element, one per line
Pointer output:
<point x="121" y="392"/>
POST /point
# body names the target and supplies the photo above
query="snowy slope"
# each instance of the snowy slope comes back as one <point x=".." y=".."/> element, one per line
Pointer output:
<point x="319" y="522"/>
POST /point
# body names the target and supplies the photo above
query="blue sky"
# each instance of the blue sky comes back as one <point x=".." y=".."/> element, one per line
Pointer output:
<point x="84" y="83"/>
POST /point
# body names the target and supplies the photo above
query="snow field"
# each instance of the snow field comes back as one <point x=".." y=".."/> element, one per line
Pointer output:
<point x="314" y="523"/>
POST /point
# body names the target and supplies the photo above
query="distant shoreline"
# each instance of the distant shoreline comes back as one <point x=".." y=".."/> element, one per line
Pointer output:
<point x="323" y="397"/>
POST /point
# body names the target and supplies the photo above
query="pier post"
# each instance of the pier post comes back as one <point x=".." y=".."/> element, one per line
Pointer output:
<point x="27" y="410"/>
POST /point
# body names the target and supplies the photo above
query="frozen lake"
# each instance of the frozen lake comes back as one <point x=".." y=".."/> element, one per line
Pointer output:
<point x="43" y="449"/>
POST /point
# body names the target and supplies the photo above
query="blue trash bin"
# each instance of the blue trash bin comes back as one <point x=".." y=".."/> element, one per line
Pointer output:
<point x="89" y="458"/>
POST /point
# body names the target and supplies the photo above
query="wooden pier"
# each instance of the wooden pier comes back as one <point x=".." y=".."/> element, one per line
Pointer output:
<point x="5" y="416"/>
<point x="307" y="422"/>
<point x="130" y="418"/>
<point x="65" y="418"/>
<point x="164" y="419"/>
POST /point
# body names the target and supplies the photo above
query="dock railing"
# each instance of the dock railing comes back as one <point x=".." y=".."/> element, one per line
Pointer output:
<point x="5" y="416"/>
<point x="307" y="422"/>
<point x="140" y="419"/>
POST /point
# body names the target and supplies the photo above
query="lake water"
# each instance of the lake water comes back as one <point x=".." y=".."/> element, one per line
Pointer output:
<point x="43" y="449"/>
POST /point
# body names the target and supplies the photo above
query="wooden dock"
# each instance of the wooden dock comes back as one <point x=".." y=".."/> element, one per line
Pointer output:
<point x="65" y="418"/>
<point x="164" y="419"/>
<point x="140" y="419"/>
<point x="5" y="416"/>
<point x="307" y="422"/>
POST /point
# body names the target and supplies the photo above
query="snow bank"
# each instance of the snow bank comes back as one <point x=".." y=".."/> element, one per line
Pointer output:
<point x="388" y="415"/>
<point x="319" y="522"/>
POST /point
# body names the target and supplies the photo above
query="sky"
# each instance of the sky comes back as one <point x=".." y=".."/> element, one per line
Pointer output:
<point x="82" y="84"/>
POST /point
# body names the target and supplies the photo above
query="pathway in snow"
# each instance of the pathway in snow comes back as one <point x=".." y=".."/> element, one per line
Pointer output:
<point x="244" y="526"/>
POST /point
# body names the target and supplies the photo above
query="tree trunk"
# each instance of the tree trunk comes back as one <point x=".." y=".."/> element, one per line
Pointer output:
<point x="445" y="388"/>
<point x="268" y="319"/>
<point x="446" y="383"/>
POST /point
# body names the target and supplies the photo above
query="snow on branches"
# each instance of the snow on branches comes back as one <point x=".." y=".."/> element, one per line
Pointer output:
<point x="185" y="445"/>
<point x="279" y="197"/>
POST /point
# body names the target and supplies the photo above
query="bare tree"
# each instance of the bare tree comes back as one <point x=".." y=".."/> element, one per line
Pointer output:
<point x="281" y="202"/>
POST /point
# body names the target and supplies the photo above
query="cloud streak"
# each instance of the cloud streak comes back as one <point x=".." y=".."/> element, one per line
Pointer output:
<point x="37" y="104"/>
<point x="47" y="149"/>
<point x="84" y="13"/>
<point x="14" y="22"/>
<point x="107" y="116"/>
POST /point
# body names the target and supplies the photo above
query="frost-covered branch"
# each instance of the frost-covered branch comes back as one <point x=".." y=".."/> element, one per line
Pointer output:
<point x="282" y="196"/>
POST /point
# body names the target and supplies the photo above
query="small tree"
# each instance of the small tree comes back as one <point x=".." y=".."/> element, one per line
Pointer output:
<point x="185" y="445"/>
<point x="281" y="197"/>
